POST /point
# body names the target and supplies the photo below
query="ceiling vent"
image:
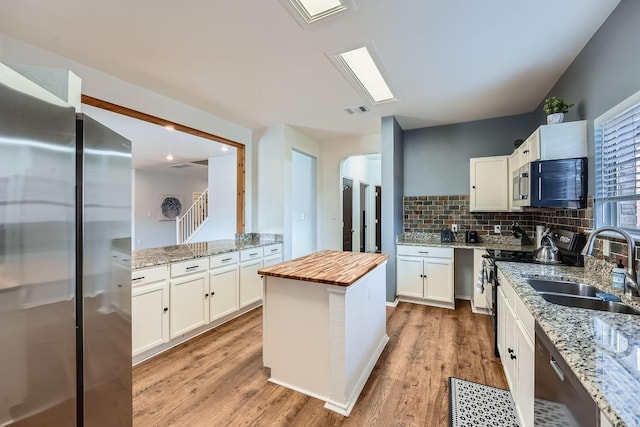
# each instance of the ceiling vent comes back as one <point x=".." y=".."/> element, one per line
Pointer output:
<point x="181" y="166"/>
<point x="356" y="110"/>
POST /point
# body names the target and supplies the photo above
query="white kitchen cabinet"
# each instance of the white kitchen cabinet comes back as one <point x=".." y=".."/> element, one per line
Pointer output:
<point x="149" y="308"/>
<point x="189" y="296"/>
<point x="425" y="275"/>
<point x="272" y="255"/>
<point x="489" y="182"/>
<point x="224" y="286"/>
<point x="250" y="282"/>
<point x="515" y="344"/>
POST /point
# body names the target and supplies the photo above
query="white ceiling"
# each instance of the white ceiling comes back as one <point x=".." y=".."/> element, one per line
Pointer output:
<point x="250" y="62"/>
<point x="150" y="144"/>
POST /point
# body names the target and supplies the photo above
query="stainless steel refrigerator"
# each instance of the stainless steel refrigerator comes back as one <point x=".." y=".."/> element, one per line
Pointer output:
<point x="65" y="294"/>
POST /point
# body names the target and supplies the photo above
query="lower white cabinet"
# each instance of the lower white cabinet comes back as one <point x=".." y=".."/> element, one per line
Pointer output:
<point x="224" y="289"/>
<point x="250" y="282"/>
<point x="189" y="296"/>
<point x="515" y="344"/>
<point x="425" y="275"/>
<point x="149" y="308"/>
<point x="189" y="304"/>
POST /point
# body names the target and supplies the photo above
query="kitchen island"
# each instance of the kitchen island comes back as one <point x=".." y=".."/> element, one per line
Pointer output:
<point x="325" y="324"/>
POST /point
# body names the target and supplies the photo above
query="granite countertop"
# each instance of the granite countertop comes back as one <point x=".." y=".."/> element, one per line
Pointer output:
<point x="329" y="267"/>
<point x="491" y="242"/>
<point x="601" y="348"/>
<point x="167" y="254"/>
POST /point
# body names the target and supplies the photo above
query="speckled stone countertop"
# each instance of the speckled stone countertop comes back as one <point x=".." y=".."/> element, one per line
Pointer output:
<point x="490" y="242"/>
<point x="167" y="254"/>
<point x="602" y="348"/>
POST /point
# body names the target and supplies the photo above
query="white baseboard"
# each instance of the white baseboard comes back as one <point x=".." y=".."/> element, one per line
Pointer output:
<point x="393" y="303"/>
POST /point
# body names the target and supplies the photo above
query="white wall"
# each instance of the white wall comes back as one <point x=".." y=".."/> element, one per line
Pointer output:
<point x="275" y="147"/>
<point x="221" y="223"/>
<point x="100" y="85"/>
<point x="332" y="153"/>
<point x="149" y="232"/>
<point x="303" y="205"/>
<point x="361" y="169"/>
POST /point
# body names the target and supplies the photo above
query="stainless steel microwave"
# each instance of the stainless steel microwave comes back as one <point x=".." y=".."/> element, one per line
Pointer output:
<point x="559" y="183"/>
<point x="521" y="188"/>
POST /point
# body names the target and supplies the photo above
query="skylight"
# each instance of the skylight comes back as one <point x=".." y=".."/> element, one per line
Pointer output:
<point x="313" y="10"/>
<point x="361" y="65"/>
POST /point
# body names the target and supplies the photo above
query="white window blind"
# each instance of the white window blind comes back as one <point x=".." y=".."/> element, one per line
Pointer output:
<point x="618" y="169"/>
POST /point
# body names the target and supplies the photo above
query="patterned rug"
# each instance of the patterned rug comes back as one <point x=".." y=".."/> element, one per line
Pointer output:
<point x="478" y="405"/>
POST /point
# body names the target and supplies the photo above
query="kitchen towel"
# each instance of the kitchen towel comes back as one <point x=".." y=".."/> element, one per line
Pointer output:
<point x="483" y="276"/>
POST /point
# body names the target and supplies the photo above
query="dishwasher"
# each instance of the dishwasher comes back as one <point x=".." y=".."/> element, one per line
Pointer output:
<point x="560" y="399"/>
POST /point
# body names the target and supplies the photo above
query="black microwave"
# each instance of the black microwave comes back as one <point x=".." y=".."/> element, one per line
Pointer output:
<point x="559" y="183"/>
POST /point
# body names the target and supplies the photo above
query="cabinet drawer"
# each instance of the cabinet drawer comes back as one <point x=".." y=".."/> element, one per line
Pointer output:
<point x="143" y="276"/>
<point x="272" y="250"/>
<point x="224" y="259"/>
<point x="188" y="267"/>
<point x="249" y="254"/>
<point x="425" y="251"/>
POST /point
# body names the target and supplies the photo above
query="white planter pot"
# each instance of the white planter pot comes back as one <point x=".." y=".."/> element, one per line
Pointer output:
<point x="555" y="118"/>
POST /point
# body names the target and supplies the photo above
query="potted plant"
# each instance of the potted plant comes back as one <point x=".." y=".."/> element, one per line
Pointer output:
<point x="555" y="108"/>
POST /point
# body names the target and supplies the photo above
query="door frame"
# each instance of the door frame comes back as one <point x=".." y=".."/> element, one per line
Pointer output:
<point x="240" y="148"/>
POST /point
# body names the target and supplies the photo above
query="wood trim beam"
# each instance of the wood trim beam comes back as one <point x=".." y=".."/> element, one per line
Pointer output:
<point x="240" y="148"/>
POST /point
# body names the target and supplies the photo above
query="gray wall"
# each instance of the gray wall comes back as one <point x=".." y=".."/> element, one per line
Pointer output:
<point x="606" y="72"/>
<point x="392" y="195"/>
<point x="436" y="159"/>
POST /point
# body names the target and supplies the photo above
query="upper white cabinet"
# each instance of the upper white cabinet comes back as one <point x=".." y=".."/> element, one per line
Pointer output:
<point x="489" y="184"/>
<point x="558" y="141"/>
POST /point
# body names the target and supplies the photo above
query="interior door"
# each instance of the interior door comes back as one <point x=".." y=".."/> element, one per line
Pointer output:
<point x="347" y="214"/>
<point x="363" y="217"/>
<point x="378" y="218"/>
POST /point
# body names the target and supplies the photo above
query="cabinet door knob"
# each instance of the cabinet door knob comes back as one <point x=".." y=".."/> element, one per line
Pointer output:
<point x="206" y="295"/>
<point x="474" y="187"/>
<point x="213" y="293"/>
<point x="166" y="309"/>
<point x="510" y="350"/>
<point x="513" y="356"/>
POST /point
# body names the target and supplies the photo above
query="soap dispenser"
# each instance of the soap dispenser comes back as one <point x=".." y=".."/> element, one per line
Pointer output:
<point x="617" y="275"/>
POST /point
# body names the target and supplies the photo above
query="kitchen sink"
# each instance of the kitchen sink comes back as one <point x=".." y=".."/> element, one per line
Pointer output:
<point x="563" y="287"/>
<point x="587" y="302"/>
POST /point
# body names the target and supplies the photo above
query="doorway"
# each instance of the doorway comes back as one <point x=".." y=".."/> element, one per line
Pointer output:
<point x="347" y="214"/>
<point x="360" y="178"/>
<point x="378" y="219"/>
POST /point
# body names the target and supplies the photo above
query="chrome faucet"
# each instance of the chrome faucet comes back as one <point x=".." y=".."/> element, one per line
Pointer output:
<point x="631" y="279"/>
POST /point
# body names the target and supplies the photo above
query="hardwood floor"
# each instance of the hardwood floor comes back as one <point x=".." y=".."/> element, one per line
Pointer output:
<point x="218" y="379"/>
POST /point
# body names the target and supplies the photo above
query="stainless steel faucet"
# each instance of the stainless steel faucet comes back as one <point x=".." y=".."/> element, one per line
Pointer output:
<point x="631" y="278"/>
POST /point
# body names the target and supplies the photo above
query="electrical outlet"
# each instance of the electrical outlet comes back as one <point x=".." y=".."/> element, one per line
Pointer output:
<point x="454" y="228"/>
<point x="606" y="247"/>
<point x="496" y="229"/>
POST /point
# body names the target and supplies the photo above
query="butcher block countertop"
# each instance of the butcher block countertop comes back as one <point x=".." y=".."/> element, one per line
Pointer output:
<point x="329" y="267"/>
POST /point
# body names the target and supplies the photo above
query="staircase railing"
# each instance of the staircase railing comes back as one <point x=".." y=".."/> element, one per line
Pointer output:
<point x="188" y="224"/>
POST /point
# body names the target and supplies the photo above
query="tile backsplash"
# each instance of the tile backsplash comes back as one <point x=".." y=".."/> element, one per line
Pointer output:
<point x="429" y="214"/>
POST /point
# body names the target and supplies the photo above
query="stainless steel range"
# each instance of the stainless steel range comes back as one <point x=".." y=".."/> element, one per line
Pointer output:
<point x="569" y="243"/>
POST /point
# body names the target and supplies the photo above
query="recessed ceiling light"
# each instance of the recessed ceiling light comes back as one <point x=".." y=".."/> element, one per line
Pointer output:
<point x="224" y="148"/>
<point x="169" y="157"/>
<point x="314" y="10"/>
<point x="362" y="67"/>
<point x="170" y="128"/>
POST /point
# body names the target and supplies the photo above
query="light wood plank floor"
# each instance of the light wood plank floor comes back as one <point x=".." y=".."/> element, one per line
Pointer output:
<point x="218" y="379"/>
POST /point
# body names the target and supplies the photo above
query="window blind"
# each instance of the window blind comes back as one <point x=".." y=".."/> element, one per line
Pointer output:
<point x="619" y="156"/>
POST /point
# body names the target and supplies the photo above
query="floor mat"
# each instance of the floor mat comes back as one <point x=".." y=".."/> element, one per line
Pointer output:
<point x="478" y="405"/>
